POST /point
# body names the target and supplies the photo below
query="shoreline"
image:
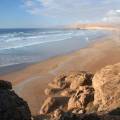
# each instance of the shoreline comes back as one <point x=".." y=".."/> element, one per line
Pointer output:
<point x="4" y="70"/>
<point x="33" y="80"/>
<point x="47" y="51"/>
<point x="8" y="69"/>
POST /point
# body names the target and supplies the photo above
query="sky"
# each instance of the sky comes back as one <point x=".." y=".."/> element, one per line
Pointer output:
<point x="47" y="13"/>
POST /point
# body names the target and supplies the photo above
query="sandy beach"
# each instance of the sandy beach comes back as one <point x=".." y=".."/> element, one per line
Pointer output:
<point x="30" y="82"/>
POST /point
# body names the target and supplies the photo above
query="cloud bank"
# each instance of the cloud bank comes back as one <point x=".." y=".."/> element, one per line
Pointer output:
<point x="83" y="10"/>
<point x="113" y="16"/>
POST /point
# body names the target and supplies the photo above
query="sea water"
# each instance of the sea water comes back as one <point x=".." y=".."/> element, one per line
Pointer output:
<point x="32" y="45"/>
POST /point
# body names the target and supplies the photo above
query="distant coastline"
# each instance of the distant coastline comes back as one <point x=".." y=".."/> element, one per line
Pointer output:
<point x="94" y="26"/>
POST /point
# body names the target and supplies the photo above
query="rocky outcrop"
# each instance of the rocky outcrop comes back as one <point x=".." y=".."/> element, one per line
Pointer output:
<point x="89" y="98"/>
<point x="79" y="79"/>
<point x="73" y="91"/>
<point x="81" y="98"/>
<point x="74" y="96"/>
<point x="106" y="83"/>
<point x="12" y="107"/>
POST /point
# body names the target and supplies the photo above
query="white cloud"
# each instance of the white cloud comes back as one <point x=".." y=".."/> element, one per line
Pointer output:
<point x="112" y="16"/>
<point x="72" y="9"/>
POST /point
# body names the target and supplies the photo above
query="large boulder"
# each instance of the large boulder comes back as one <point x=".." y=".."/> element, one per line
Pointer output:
<point x="12" y="107"/>
<point x="106" y="83"/>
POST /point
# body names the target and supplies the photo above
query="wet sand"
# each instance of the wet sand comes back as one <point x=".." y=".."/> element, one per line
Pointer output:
<point x="31" y="81"/>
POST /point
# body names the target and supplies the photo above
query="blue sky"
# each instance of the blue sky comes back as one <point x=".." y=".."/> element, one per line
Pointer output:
<point x="43" y="13"/>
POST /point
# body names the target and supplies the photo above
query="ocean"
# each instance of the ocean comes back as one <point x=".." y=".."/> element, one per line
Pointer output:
<point x="19" y="46"/>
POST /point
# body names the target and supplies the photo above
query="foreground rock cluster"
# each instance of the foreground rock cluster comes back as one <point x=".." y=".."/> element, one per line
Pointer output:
<point x="84" y="96"/>
<point x="12" y="107"/>
<point x="71" y="92"/>
<point x="74" y="96"/>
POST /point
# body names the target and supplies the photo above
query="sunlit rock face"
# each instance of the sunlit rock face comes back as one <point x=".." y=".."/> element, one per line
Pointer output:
<point x="106" y="83"/>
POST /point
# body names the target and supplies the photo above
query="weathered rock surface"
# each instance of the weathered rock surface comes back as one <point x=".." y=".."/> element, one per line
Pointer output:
<point x="79" y="79"/>
<point x="106" y="83"/>
<point x="89" y="98"/>
<point x="48" y="105"/>
<point x="57" y="114"/>
<point x="67" y="93"/>
<point x="12" y="107"/>
<point x="74" y="90"/>
<point x="50" y="91"/>
<point x="81" y="98"/>
<point x="58" y="82"/>
<point x="61" y="115"/>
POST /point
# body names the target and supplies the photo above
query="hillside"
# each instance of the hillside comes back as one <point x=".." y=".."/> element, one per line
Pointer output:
<point x="97" y="26"/>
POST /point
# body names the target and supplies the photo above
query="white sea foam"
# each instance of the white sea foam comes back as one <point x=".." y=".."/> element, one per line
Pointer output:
<point x="28" y="42"/>
<point x="21" y="39"/>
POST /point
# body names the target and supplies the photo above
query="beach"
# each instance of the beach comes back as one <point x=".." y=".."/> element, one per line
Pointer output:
<point x="60" y="60"/>
<point x="31" y="81"/>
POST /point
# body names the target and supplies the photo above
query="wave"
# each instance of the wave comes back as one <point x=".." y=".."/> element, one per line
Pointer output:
<point x="19" y="40"/>
<point x="31" y="44"/>
<point x="35" y="37"/>
<point x="16" y="40"/>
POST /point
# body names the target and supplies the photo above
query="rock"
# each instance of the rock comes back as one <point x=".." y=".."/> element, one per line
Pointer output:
<point x="67" y="93"/>
<point x="61" y="115"/>
<point x="48" y="105"/>
<point x="60" y="78"/>
<point x="49" y="91"/>
<point x="109" y="117"/>
<point x="72" y="116"/>
<point x="91" y="116"/>
<point x="57" y="114"/>
<point x="52" y="91"/>
<point x="12" y="107"/>
<point x="81" y="98"/>
<point x="58" y="82"/>
<point x="78" y="111"/>
<point x="5" y="85"/>
<point x="79" y="79"/>
<point x="87" y="96"/>
<point x="106" y="83"/>
<point x="74" y="102"/>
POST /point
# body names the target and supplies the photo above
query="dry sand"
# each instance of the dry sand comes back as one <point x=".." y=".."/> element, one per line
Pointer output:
<point x="31" y="82"/>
